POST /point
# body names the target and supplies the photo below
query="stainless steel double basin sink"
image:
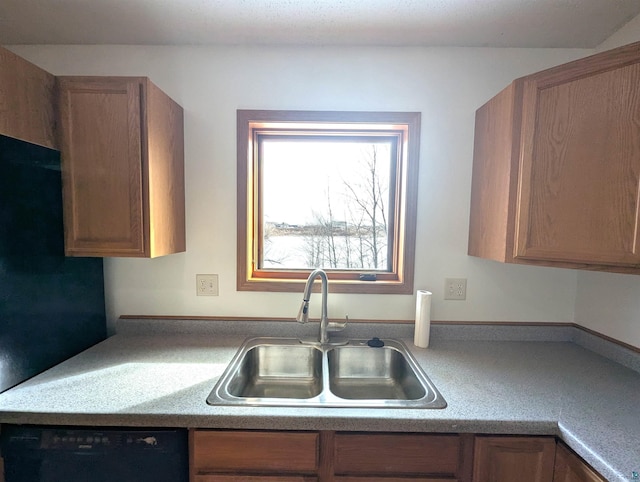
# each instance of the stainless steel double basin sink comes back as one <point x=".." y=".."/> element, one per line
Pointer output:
<point x="358" y="373"/>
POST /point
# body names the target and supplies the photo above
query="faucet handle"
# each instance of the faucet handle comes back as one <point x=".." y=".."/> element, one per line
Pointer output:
<point x="338" y="325"/>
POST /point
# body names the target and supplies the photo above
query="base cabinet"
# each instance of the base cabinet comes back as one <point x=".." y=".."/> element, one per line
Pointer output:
<point x="248" y="456"/>
<point x="253" y="478"/>
<point x="425" y="457"/>
<point x="327" y="456"/>
<point x="528" y="459"/>
<point x="254" y="456"/>
<point x="571" y="468"/>
<point x="505" y="459"/>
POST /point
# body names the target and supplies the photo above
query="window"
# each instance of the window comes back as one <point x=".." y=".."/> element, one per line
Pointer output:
<point x="331" y="190"/>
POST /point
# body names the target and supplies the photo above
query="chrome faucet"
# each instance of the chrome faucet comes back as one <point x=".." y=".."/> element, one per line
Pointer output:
<point x="303" y="314"/>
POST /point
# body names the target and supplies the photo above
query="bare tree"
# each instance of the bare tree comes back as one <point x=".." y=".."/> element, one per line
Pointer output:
<point x="370" y="195"/>
<point x="270" y="258"/>
<point x="314" y="246"/>
<point x="360" y="240"/>
<point x="330" y="232"/>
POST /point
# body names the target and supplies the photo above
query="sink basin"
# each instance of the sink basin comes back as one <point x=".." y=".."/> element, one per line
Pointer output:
<point x="290" y="372"/>
<point x="280" y="371"/>
<point x="362" y="373"/>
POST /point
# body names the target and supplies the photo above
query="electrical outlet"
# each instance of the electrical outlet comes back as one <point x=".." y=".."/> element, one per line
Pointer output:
<point x="455" y="289"/>
<point x="207" y="285"/>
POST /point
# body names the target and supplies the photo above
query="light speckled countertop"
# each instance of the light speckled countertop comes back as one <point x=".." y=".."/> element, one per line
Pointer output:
<point x="163" y="377"/>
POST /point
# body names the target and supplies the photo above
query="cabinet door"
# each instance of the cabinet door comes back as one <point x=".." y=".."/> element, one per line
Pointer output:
<point x="580" y="161"/>
<point x="570" y="468"/>
<point x="102" y="169"/>
<point x="27" y="101"/>
<point x="509" y="459"/>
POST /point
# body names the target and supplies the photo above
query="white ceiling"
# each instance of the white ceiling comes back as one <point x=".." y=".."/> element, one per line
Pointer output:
<point x="481" y="23"/>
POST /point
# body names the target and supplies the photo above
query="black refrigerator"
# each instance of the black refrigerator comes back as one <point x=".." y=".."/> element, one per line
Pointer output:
<point x="51" y="306"/>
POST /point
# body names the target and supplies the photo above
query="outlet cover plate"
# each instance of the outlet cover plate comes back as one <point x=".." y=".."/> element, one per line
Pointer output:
<point x="455" y="289"/>
<point x="207" y="285"/>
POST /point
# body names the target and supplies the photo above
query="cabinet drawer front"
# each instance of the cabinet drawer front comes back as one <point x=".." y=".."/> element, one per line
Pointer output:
<point x="255" y="478"/>
<point x="393" y="479"/>
<point x="255" y="451"/>
<point x="397" y="454"/>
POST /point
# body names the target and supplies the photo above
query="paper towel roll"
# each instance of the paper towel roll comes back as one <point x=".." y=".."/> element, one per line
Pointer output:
<point x="423" y="319"/>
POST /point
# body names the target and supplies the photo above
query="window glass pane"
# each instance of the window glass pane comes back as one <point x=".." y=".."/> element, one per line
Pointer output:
<point x="325" y="202"/>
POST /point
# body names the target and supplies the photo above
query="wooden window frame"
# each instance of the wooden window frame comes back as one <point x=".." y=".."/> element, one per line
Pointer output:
<point x="399" y="280"/>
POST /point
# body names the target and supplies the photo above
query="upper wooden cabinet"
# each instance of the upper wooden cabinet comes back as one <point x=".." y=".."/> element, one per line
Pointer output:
<point x="122" y="150"/>
<point x="556" y="172"/>
<point x="27" y="101"/>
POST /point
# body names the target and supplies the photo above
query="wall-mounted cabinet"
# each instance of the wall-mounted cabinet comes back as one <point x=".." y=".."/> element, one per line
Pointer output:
<point x="27" y="101"/>
<point x="122" y="150"/>
<point x="556" y="172"/>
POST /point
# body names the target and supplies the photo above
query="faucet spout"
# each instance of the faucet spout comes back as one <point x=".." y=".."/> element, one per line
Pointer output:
<point x="303" y="314"/>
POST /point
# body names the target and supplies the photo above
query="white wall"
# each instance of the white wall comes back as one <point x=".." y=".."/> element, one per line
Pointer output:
<point x="627" y="34"/>
<point x="446" y="85"/>
<point x="610" y="303"/>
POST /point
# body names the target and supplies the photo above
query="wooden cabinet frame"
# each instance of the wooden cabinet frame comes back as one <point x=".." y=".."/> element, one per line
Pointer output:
<point x="556" y="173"/>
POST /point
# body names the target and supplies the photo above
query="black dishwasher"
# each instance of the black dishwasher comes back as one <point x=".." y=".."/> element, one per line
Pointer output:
<point x="59" y="454"/>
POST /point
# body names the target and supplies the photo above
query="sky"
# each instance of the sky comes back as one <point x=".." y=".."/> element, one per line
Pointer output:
<point x="297" y="175"/>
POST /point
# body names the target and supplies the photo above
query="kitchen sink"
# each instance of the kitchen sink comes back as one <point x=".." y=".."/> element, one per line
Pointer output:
<point x="362" y="373"/>
<point x="278" y="371"/>
<point x="291" y="372"/>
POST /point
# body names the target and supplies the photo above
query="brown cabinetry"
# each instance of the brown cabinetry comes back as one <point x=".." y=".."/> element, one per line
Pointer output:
<point x="571" y="468"/>
<point x="269" y="456"/>
<point x="508" y="459"/>
<point x="556" y="173"/>
<point x="122" y="150"/>
<point x="248" y="456"/>
<point x="424" y="457"/>
<point x="253" y="478"/>
<point x="27" y="101"/>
